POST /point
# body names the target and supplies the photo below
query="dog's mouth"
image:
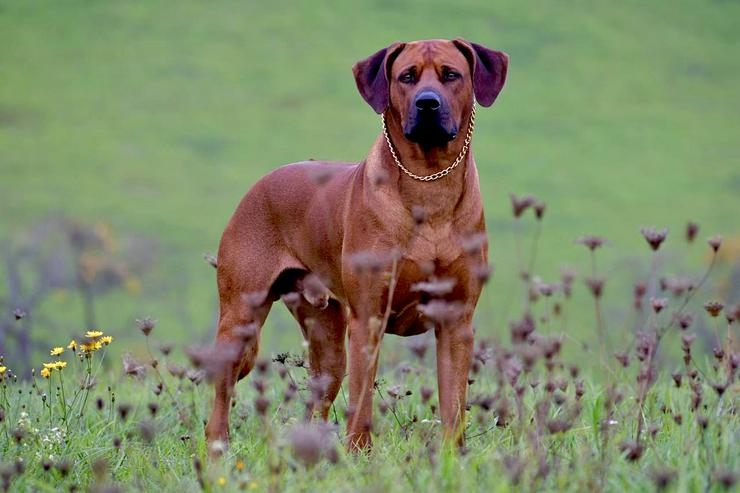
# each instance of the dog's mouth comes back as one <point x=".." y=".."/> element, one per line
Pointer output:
<point x="430" y="131"/>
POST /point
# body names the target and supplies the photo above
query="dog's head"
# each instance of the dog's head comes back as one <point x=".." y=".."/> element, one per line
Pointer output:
<point x="429" y="85"/>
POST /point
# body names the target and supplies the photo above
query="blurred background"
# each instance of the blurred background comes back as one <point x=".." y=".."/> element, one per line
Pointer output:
<point x="129" y="131"/>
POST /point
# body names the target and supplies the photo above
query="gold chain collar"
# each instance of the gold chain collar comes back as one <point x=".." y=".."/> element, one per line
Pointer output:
<point x="438" y="174"/>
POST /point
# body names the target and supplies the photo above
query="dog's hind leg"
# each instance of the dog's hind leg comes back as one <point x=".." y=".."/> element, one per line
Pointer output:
<point x="324" y="329"/>
<point x="237" y="344"/>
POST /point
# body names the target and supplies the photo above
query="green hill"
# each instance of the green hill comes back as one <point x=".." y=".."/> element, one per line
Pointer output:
<point x="156" y="117"/>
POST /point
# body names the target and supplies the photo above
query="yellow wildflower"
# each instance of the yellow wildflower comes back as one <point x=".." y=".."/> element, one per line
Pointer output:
<point x="253" y="485"/>
<point x="56" y="351"/>
<point x="87" y="348"/>
<point x="239" y="465"/>
<point x="91" y="346"/>
<point x="56" y="365"/>
<point x="221" y="481"/>
<point x="45" y="372"/>
<point x="72" y="345"/>
<point x="92" y="334"/>
<point x="106" y="340"/>
<point x="3" y="369"/>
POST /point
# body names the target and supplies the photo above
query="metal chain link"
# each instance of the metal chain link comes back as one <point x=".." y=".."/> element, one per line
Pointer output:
<point x="438" y="174"/>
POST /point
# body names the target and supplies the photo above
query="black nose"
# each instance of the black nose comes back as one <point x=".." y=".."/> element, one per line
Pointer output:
<point x="427" y="101"/>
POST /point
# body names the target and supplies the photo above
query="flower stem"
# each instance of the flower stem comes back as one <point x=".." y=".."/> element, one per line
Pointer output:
<point x="63" y="398"/>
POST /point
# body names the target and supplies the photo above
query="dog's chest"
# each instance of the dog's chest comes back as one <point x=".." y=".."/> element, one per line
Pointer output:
<point x="438" y="245"/>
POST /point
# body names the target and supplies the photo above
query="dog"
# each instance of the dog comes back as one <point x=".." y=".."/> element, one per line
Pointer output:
<point x="394" y="244"/>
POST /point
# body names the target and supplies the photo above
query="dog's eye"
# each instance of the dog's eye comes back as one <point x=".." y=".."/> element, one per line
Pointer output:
<point x="450" y="76"/>
<point x="406" y="78"/>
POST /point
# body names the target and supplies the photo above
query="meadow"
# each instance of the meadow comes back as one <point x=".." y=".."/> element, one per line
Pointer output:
<point x="136" y="127"/>
<point x="536" y="421"/>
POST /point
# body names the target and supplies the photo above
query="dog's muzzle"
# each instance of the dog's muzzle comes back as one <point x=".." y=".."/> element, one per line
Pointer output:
<point x="429" y="122"/>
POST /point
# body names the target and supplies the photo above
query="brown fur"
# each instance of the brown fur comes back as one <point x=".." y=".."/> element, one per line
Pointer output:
<point x="309" y="218"/>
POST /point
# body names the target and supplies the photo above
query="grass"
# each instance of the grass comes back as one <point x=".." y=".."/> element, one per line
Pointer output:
<point x="137" y="434"/>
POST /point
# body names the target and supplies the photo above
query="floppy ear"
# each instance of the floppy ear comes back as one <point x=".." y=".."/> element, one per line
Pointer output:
<point x="488" y="68"/>
<point x="371" y="76"/>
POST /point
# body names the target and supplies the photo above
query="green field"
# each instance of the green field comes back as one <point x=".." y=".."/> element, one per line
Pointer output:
<point x="154" y="118"/>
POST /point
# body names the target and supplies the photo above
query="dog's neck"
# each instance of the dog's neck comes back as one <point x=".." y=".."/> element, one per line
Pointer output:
<point x="421" y="160"/>
<point x="439" y="198"/>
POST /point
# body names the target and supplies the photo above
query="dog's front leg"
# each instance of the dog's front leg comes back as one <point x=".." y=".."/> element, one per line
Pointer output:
<point x="454" y="353"/>
<point x="363" y="349"/>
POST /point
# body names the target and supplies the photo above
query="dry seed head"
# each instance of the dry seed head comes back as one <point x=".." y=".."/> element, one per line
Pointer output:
<point x="146" y="325"/>
<point x="383" y="407"/>
<point x="63" y="466"/>
<point x="640" y="289"/>
<point x="441" y="312"/>
<point x="726" y="478"/>
<point x="677" y="378"/>
<point x="436" y="287"/>
<point x="196" y="376"/>
<point x="654" y="237"/>
<point x="522" y="329"/>
<point x="291" y="299"/>
<point x="419" y="214"/>
<point x="211" y="260"/>
<point x="100" y="469"/>
<point x="623" y="359"/>
<point x="166" y="348"/>
<point x="482" y="272"/>
<point x="321" y="175"/>
<point x="153" y="408"/>
<point x="713" y="308"/>
<point x="146" y="431"/>
<point x="719" y="388"/>
<point x="539" y="210"/>
<point x="131" y="367"/>
<point x="579" y="389"/>
<point x="520" y="204"/>
<point x="591" y="242"/>
<point x="692" y="229"/>
<point x="310" y="442"/>
<point x="684" y="320"/>
<point x="255" y="299"/>
<point x="658" y="304"/>
<point x="663" y="477"/>
<point x="261" y="404"/>
<point x="124" y="410"/>
<point x="369" y="261"/>
<point x="633" y="450"/>
<point x="418" y="346"/>
<point x="426" y="394"/>
<point x="715" y="242"/>
<point x="475" y="243"/>
<point x="262" y="366"/>
<point x="719" y="353"/>
<point x="595" y="286"/>
<point x="558" y="425"/>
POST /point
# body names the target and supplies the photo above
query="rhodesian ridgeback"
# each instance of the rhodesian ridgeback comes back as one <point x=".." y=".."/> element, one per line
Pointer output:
<point x="395" y="244"/>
